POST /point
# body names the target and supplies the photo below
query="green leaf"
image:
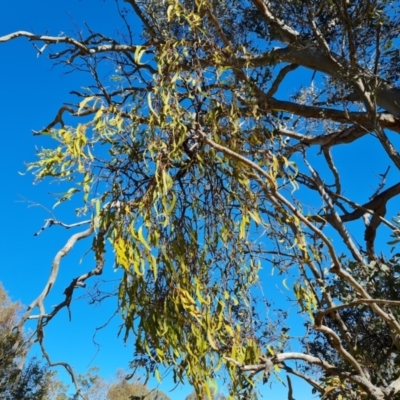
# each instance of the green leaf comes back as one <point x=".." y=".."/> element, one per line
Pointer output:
<point x="140" y="50"/>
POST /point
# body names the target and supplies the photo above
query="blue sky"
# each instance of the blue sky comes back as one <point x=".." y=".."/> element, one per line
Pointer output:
<point x="32" y="90"/>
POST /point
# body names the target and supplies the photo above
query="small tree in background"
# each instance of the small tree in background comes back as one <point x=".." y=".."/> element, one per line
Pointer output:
<point x="124" y="389"/>
<point x="9" y="370"/>
<point x="218" y="396"/>
<point x="34" y="381"/>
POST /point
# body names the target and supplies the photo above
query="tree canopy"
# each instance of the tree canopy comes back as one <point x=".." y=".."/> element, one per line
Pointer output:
<point x="122" y="389"/>
<point x="210" y="146"/>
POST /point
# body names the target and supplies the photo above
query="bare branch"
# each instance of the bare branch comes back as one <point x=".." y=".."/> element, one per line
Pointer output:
<point x="39" y="301"/>
<point x="306" y="378"/>
<point x="332" y="167"/>
<point x="50" y="222"/>
<point x="286" y="33"/>
<point x="46" y="39"/>
<point x="217" y="26"/>
<point x="278" y="80"/>
<point x="139" y="13"/>
<point x="336" y="221"/>
<point x="290" y="391"/>
<point x="381" y="184"/>
<point x="378" y="203"/>
<point x="323" y="313"/>
<point x="81" y="48"/>
<point x="361" y="119"/>
<point x="387" y="145"/>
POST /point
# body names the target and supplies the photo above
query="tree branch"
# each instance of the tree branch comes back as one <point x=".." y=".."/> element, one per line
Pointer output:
<point x="286" y="33"/>
<point x="278" y="80"/>
<point x="312" y="57"/>
<point x="139" y="13"/>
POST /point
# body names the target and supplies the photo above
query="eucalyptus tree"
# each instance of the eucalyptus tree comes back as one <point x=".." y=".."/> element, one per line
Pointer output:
<point x="134" y="391"/>
<point x="8" y="358"/>
<point x="215" y="149"/>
